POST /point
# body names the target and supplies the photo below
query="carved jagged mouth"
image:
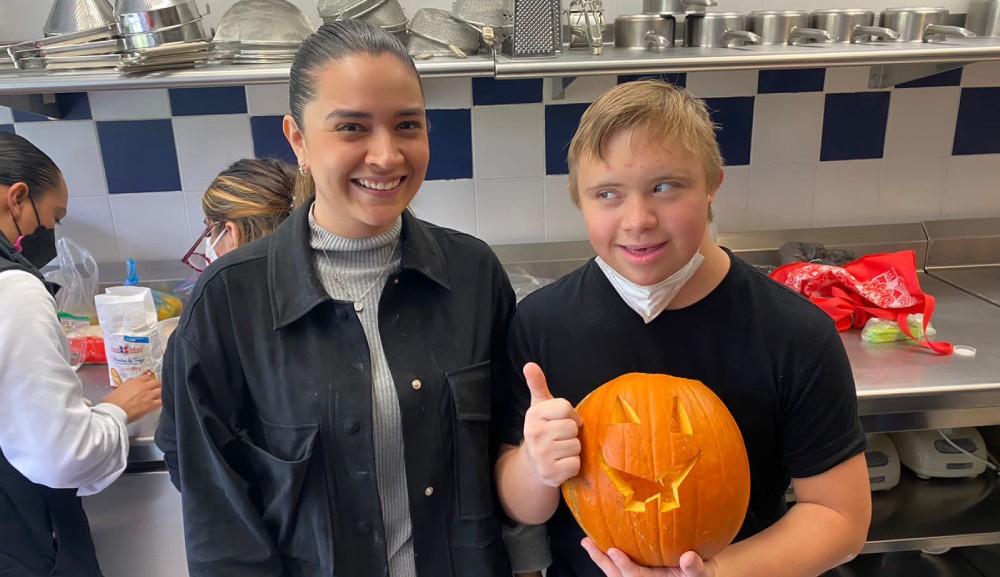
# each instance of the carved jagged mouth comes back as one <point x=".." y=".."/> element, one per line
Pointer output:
<point x="661" y="492"/>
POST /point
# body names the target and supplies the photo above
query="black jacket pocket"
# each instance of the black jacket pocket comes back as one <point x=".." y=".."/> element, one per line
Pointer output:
<point x="471" y="394"/>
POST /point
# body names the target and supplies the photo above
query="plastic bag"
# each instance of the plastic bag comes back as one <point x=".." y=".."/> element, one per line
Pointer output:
<point x="525" y="284"/>
<point x="131" y="339"/>
<point x="77" y="276"/>
<point x="878" y="330"/>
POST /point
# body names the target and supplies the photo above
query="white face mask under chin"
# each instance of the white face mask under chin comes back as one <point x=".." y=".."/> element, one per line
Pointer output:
<point x="210" y="246"/>
<point x="650" y="301"/>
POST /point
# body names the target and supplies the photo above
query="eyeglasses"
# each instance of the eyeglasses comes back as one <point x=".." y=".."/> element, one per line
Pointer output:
<point x="197" y="260"/>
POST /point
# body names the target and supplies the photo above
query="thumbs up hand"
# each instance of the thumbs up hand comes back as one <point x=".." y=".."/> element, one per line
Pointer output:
<point x="550" y="432"/>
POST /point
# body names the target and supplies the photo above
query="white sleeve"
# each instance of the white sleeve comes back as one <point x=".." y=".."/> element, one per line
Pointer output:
<point x="47" y="432"/>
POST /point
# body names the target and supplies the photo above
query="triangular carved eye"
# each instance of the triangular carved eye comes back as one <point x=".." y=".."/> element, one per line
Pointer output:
<point x="624" y="413"/>
<point x="679" y="422"/>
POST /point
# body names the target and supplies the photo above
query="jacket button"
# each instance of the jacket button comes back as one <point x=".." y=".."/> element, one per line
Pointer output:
<point x="341" y="314"/>
<point x="429" y="491"/>
<point x="352" y="426"/>
<point x="416" y="384"/>
<point x="395" y="280"/>
<point x="365" y="527"/>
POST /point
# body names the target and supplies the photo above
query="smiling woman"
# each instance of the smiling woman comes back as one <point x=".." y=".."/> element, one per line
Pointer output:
<point x="309" y="356"/>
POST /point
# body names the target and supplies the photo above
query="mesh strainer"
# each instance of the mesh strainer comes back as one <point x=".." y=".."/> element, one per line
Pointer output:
<point x="387" y="14"/>
<point x="263" y="22"/>
<point x="435" y="33"/>
<point x="495" y="14"/>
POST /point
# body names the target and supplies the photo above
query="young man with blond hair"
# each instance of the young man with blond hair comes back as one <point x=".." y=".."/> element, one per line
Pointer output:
<point x="662" y="297"/>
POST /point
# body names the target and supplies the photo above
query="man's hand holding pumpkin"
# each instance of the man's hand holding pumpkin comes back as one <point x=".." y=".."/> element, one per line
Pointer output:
<point x="617" y="564"/>
<point x="550" y="432"/>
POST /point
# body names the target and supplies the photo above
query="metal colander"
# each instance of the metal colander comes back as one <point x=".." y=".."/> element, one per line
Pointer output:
<point x="493" y="13"/>
<point x="434" y="32"/>
<point x="387" y="14"/>
<point x="264" y="22"/>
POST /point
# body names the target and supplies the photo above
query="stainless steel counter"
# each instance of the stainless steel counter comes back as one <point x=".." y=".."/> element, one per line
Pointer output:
<point x="981" y="281"/>
<point x="142" y="451"/>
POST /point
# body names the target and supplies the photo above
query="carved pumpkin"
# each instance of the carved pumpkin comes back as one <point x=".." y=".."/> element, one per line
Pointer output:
<point x="663" y="469"/>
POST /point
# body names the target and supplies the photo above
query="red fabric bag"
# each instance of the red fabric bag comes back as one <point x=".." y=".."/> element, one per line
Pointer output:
<point x="878" y="285"/>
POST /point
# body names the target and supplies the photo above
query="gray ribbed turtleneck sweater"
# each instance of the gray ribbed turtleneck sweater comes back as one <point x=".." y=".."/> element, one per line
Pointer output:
<point x="361" y="263"/>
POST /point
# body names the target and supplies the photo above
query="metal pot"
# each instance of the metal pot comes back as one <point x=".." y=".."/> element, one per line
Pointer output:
<point x="984" y="17"/>
<point x="850" y="24"/>
<point x="786" y="27"/>
<point x="718" y="29"/>
<point x="676" y="6"/>
<point x="921" y="24"/>
<point x="153" y="20"/>
<point x="644" y="31"/>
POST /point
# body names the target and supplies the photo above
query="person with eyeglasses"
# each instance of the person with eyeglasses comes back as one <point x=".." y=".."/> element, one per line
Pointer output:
<point x="246" y="201"/>
<point x="54" y="448"/>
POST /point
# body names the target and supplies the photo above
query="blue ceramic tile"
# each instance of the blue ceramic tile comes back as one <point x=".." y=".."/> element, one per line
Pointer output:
<point x="678" y="79"/>
<point x="978" y="127"/>
<point x="854" y="126"/>
<point x="7" y="128"/>
<point x="198" y="101"/>
<point x="72" y="106"/>
<point x="949" y="78"/>
<point x="268" y="139"/>
<point x="451" y="144"/>
<point x="561" y="121"/>
<point x="735" y="119"/>
<point x="779" y="81"/>
<point x="488" y="91"/>
<point x="139" y="155"/>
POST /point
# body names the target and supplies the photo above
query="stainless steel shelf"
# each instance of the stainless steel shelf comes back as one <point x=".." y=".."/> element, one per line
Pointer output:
<point x="621" y="61"/>
<point x="212" y="75"/>
<point x="934" y="513"/>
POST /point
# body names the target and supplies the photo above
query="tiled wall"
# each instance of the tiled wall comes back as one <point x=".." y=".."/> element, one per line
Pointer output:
<point x="804" y="148"/>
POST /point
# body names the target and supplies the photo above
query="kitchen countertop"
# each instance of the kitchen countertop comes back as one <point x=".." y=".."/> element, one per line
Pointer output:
<point x="982" y="281"/>
<point x="96" y="386"/>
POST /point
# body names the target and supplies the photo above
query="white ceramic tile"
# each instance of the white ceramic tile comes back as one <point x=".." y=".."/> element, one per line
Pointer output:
<point x="951" y="5"/>
<point x="847" y="79"/>
<point x="511" y="210"/>
<point x="72" y="145"/>
<point x="447" y="93"/>
<point x="722" y="84"/>
<point x="787" y="128"/>
<point x="845" y="192"/>
<point x="267" y="99"/>
<point x="449" y="203"/>
<point x="912" y="189"/>
<point x="730" y="204"/>
<point x="982" y="74"/>
<point x="88" y="222"/>
<point x="582" y="89"/>
<point x="129" y="104"/>
<point x="740" y="5"/>
<point x="208" y="144"/>
<point x="563" y="220"/>
<point x="508" y="141"/>
<point x="151" y="225"/>
<point x="867" y="4"/>
<point x="195" y="217"/>
<point x="971" y="189"/>
<point x="623" y="7"/>
<point x="922" y="121"/>
<point x="781" y="196"/>
<point x="23" y="19"/>
<point x="6" y="116"/>
<point x="794" y="4"/>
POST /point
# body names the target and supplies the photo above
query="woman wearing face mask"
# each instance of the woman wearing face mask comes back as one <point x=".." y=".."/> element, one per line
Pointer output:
<point x="53" y="447"/>
<point x="245" y="202"/>
<point x="329" y="392"/>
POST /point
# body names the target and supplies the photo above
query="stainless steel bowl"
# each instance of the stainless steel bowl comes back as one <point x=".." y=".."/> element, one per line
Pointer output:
<point x="139" y="22"/>
<point x="263" y="21"/>
<point x="190" y="32"/>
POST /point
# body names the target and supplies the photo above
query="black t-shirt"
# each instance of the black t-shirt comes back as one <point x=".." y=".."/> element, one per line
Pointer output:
<point x="773" y="358"/>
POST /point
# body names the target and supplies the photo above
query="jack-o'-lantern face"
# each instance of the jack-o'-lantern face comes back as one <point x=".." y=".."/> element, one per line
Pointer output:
<point x="663" y="469"/>
<point x="660" y="490"/>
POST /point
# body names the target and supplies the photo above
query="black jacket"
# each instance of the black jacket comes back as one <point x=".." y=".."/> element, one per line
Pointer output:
<point x="267" y="413"/>
<point x="43" y="531"/>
